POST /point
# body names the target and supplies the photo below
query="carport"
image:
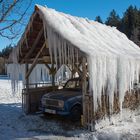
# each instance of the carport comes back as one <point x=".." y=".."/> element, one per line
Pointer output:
<point x="54" y="39"/>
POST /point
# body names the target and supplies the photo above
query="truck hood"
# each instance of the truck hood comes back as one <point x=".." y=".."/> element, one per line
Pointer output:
<point x="63" y="94"/>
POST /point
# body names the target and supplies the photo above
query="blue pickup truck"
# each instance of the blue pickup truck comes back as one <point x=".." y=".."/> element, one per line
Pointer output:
<point x="66" y="101"/>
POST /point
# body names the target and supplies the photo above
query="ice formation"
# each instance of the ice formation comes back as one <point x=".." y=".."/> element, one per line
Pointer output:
<point x="40" y="74"/>
<point x="63" y="74"/>
<point x="113" y="60"/>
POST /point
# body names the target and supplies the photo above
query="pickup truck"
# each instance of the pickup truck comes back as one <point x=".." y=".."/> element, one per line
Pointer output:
<point x="66" y="101"/>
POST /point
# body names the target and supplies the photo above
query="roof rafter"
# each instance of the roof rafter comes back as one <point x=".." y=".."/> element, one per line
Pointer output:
<point x="33" y="46"/>
<point x="35" y="61"/>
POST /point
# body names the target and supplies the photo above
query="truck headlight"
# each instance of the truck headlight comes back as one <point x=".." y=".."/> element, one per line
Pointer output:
<point x="61" y="103"/>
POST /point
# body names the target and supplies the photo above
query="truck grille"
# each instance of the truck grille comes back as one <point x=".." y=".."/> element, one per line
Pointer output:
<point x="52" y="102"/>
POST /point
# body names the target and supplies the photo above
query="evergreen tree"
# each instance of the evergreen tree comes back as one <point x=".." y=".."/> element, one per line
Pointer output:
<point x="113" y="19"/>
<point x="129" y="24"/>
<point x="130" y="21"/>
<point x="98" y="19"/>
<point x="6" y="51"/>
<point x="139" y="24"/>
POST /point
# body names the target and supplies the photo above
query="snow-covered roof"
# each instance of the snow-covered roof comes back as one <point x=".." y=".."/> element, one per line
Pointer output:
<point x="89" y="36"/>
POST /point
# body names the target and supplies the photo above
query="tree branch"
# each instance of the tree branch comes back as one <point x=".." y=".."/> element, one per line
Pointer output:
<point x="8" y="10"/>
<point x="8" y="36"/>
<point x="10" y="24"/>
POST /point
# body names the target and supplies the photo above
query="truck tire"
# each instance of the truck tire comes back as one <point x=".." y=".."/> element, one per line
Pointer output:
<point x="75" y="113"/>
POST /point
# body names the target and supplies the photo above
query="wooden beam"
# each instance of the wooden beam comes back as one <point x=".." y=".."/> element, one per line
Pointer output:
<point x="48" y="67"/>
<point x="33" y="46"/>
<point x="35" y="61"/>
<point x="27" y="98"/>
<point x="27" y="30"/>
<point x="53" y="72"/>
<point x="43" y="60"/>
<point x="78" y="69"/>
<point x="36" y="8"/>
<point x="46" y="59"/>
<point x="84" y="91"/>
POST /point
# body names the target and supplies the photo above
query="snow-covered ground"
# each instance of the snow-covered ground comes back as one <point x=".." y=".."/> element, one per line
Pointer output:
<point x="14" y="125"/>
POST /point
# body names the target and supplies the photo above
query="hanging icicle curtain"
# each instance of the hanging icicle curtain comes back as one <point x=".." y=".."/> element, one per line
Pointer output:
<point x="113" y="60"/>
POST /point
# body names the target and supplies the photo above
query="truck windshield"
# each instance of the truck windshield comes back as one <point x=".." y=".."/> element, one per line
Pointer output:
<point x="73" y="84"/>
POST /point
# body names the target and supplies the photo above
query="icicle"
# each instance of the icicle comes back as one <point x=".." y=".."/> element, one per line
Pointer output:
<point x="73" y="56"/>
<point x="22" y="67"/>
<point x="70" y="60"/>
<point x="59" y="52"/>
<point x="55" y="50"/>
<point x="77" y="59"/>
<point x="14" y="70"/>
<point x="68" y="56"/>
<point x="63" y="56"/>
<point x="49" y="35"/>
<point x="65" y="53"/>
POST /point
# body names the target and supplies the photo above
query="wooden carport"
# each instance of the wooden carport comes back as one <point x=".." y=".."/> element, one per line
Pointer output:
<point x="33" y="49"/>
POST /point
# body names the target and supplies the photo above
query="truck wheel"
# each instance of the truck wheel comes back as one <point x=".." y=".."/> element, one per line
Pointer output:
<point x="75" y="113"/>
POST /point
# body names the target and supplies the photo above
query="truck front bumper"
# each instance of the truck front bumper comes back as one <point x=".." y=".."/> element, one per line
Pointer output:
<point x="55" y="111"/>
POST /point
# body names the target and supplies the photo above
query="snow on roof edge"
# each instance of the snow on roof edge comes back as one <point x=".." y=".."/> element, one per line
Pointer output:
<point x="108" y="38"/>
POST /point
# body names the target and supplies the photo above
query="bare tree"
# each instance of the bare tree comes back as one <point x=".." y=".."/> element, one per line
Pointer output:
<point x="12" y="14"/>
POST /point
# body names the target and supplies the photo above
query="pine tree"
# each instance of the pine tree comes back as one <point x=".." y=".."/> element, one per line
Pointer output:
<point x="98" y="19"/>
<point x="0" y="54"/>
<point x="113" y="19"/>
<point x="128" y="21"/>
<point x="131" y="24"/>
<point x="139" y="25"/>
<point x="6" y="51"/>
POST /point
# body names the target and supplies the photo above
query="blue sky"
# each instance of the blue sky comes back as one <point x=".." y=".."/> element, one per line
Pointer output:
<point x="82" y="8"/>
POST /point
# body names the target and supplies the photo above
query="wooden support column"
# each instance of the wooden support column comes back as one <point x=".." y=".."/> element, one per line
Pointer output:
<point x="48" y="67"/>
<point x="27" y="74"/>
<point x="84" y="91"/>
<point x="53" y="72"/>
<point x="27" y="97"/>
<point x="88" y="118"/>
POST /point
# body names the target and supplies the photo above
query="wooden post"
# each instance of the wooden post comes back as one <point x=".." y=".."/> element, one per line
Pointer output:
<point x="53" y="71"/>
<point x="84" y="90"/>
<point x="27" y="98"/>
